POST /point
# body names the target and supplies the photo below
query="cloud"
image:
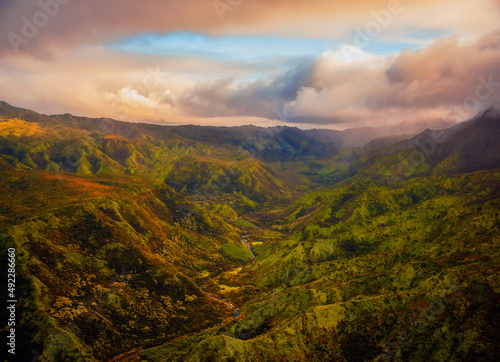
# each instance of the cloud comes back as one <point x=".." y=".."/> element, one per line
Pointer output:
<point x="42" y="27"/>
<point x="448" y="80"/>
<point x="435" y="83"/>
<point x="68" y="66"/>
<point x="229" y="98"/>
<point x="428" y="83"/>
<point x="83" y="81"/>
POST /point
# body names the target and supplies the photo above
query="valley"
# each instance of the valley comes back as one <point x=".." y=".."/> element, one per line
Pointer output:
<point x="138" y="242"/>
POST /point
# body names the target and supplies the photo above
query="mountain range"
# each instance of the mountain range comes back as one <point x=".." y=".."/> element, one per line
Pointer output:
<point x="188" y="243"/>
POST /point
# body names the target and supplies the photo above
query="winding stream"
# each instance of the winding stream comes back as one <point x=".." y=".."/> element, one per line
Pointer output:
<point x="132" y="355"/>
<point x="202" y="285"/>
<point x="249" y="247"/>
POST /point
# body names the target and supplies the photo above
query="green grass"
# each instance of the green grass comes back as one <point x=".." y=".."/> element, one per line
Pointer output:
<point x="260" y="248"/>
<point x="246" y="224"/>
<point x="236" y="252"/>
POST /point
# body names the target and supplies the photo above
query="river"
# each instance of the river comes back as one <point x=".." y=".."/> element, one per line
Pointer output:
<point x="133" y="355"/>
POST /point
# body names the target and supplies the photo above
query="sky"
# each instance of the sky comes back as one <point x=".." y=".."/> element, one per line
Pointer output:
<point x="312" y="64"/>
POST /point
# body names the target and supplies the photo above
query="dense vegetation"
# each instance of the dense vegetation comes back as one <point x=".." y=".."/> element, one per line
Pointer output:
<point x="130" y="235"/>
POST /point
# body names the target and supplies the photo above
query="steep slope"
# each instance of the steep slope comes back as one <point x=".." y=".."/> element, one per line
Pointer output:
<point x="29" y="141"/>
<point x="130" y="236"/>
<point x="201" y="174"/>
<point x="371" y="273"/>
<point x="108" y="263"/>
<point x="476" y="146"/>
<point x="468" y="147"/>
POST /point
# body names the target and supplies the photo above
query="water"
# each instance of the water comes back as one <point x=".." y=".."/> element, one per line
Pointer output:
<point x="249" y="247"/>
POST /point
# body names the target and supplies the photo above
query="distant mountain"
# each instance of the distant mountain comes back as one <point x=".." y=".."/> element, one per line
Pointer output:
<point x="384" y="142"/>
<point x="474" y="146"/>
<point x="350" y="138"/>
<point x="29" y="141"/>
<point x="267" y="144"/>
<point x="94" y="146"/>
<point x="467" y="147"/>
<point x="270" y="144"/>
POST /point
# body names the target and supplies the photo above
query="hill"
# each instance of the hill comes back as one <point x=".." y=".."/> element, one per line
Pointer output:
<point x="467" y="147"/>
<point x="29" y="141"/>
<point x="368" y="272"/>
<point x="106" y="261"/>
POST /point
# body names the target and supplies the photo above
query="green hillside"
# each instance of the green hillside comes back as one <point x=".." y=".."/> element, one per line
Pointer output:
<point x="96" y="147"/>
<point x="156" y="243"/>
<point x="368" y="271"/>
<point x="105" y="262"/>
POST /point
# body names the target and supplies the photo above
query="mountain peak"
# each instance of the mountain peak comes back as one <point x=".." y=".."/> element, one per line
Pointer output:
<point x="492" y="111"/>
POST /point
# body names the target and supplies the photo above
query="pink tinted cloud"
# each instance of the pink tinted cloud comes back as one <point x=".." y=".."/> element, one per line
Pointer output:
<point x="50" y="25"/>
<point x="448" y="80"/>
